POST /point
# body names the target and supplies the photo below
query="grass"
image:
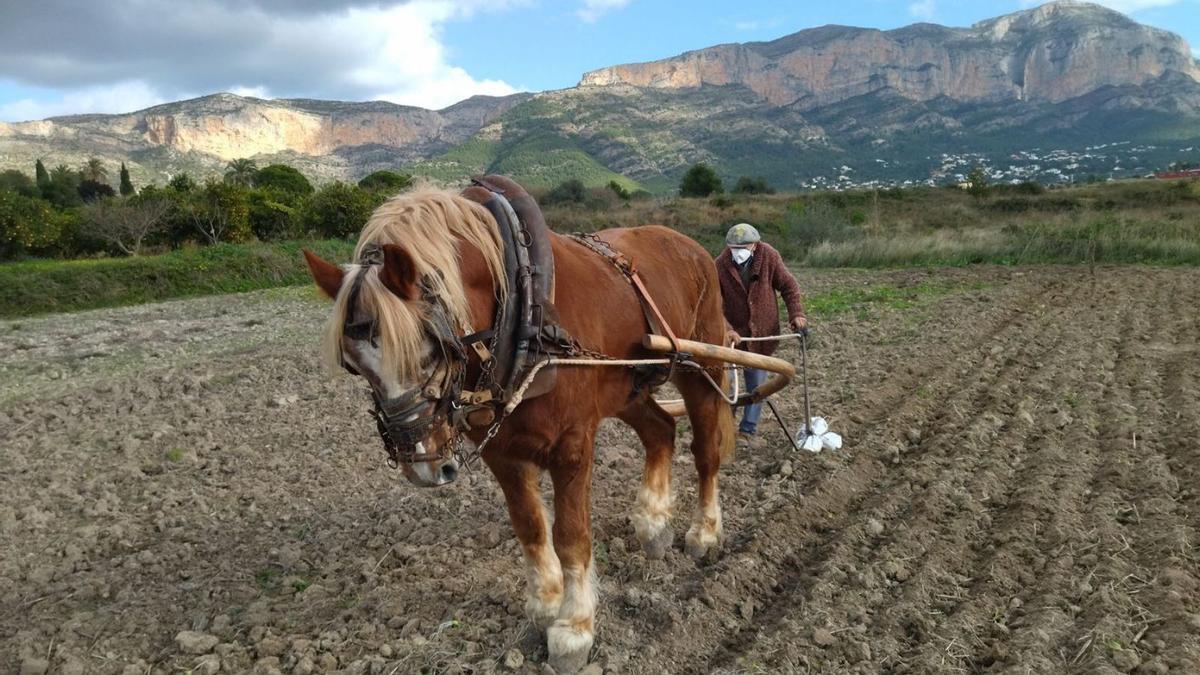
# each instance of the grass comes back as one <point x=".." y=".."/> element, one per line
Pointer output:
<point x="1129" y="222"/>
<point x="845" y="300"/>
<point x="43" y="286"/>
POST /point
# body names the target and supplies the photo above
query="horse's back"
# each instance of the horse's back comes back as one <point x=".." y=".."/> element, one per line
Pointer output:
<point x="680" y="275"/>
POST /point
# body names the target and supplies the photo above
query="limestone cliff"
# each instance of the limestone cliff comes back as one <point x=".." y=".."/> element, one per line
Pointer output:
<point x="222" y="127"/>
<point x="1053" y="53"/>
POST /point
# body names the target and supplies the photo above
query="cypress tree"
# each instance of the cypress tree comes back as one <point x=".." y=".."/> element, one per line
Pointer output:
<point x="43" y="178"/>
<point x="126" y="184"/>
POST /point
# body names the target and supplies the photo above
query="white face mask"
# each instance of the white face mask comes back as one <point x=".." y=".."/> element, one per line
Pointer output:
<point x="741" y="255"/>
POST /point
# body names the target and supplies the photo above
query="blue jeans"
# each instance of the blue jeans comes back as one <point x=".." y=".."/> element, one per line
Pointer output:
<point x="753" y="412"/>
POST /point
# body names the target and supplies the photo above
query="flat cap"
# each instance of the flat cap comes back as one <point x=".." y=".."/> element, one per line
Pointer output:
<point x="742" y="234"/>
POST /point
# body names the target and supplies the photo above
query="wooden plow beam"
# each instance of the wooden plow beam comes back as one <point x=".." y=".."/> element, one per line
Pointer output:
<point x="781" y="371"/>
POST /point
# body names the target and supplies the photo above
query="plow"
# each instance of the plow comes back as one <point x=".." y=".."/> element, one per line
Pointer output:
<point x="677" y="352"/>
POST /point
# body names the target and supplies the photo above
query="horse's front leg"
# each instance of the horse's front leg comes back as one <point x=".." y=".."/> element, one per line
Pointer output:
<point x="569" y="639"/>
<point x="544" y="591"/>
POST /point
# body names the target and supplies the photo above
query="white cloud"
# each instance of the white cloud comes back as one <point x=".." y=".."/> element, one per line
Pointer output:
<point x="405" y="60"/>
<point x="355" y="52"/>
<point x="594" y="9"/>
<point x="923" y="9"/>
<point x="119" y="97"/>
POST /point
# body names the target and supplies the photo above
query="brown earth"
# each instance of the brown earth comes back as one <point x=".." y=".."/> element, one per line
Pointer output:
<point x="1018" y="493"/>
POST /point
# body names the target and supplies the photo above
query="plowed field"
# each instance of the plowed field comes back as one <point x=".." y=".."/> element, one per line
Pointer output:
<point x="184" y="488"/>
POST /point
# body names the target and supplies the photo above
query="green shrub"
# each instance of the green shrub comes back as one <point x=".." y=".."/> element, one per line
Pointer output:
<point x="339" y="210"/>
<point x="27" y="225"/>
<point x="752" y="186"/>
<point x="282" y="177"/>
<point x="387" y="181"/>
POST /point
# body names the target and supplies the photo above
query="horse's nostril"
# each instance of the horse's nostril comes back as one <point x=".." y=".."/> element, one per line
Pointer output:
<point x="449" y="472"/>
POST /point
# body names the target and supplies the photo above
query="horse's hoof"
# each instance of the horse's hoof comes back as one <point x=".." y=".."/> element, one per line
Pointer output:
<point x="569" y="648"/>
<point x="702" y="545"/>
<point x="656" y="547"/>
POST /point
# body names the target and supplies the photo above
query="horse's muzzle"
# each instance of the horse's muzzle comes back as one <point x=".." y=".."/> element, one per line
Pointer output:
<point x="431" y="474"/>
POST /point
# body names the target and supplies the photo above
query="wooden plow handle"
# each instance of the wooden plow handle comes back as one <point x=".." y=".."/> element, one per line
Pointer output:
<point x="781" y="371"/>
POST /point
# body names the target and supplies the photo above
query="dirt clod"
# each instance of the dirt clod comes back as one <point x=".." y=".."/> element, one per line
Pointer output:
<point x="191" y="642"/>
<point x="34" y="666"/>
<point x="823" y="637"/>
<point x="1126" y="660"/>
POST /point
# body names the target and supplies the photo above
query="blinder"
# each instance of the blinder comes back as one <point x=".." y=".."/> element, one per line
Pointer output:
<point x="399" y="420"/>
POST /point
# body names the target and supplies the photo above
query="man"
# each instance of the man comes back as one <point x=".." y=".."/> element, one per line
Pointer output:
<point x="751" y="272"/>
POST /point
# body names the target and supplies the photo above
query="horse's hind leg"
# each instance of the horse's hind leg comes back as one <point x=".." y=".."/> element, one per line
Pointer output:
<point x="712" y="442"/>
<point x="544" y="592"/>
<point x="652" y="513"/>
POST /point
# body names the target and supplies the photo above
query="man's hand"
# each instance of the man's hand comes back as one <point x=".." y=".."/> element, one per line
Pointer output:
<point x="800" y="325"/>
<point x="732" y="337"/>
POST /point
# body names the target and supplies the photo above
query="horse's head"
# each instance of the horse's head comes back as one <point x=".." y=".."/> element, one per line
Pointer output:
<point x="398" y="323"/>
<point x="414" y="389"/>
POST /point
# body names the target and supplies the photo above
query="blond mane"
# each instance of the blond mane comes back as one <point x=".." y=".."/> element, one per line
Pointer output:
<point x="427" y="223"/>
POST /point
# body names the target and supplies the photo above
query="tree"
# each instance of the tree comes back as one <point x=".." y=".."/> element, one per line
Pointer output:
<point x="978" y="182"/>
<point x="619" y="190"/>
<point x="221" y="212"/>
<point x="124" y="223"/>
<point x="16" y="181"/>
<point x="567" y="192"/>
<point x="700" y="181"/>
<point x="126" y="184"/>
<point x="90" y="190"/>
<point x="27" y="225"/>
<point x="275" y="214"/>
<point x="241" y="172"/>
<point x="43" y="178"/>
<point x="94" y="170"/>
<point x="340" y="210"/>
<point x="182" y="183"/>
<point x="283" y="177"/>
<point x="386" y="180"/>
<point x="62" y="190"/>
<point x="753" y="186"/>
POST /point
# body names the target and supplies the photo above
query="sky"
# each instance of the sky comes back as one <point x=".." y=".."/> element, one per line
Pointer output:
<point x="62" y="57"/>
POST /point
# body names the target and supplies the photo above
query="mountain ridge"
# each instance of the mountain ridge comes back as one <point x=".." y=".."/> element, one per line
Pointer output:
<point x="791" y="109"/>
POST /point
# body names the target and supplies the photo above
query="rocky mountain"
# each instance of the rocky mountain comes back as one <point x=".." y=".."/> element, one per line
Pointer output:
<point x="1053" y="53"/>
<point x="818" y="105"/>
<point x="326" y="138"/>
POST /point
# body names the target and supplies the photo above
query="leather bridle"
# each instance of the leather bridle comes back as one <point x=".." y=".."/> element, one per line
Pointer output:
<point x="405" y="420"/>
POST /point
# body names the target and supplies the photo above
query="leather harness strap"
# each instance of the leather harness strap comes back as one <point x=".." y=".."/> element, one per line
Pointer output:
<point x="627" y="269"/>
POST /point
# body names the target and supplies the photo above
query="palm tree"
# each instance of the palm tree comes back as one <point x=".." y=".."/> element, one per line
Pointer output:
<point x="94" y="170"/>
<point x="241" y="172"/>
<point x="63" y="173"/>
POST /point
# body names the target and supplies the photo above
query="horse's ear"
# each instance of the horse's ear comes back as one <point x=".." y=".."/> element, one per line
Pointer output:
<point x="399" y="274"/>
<point x="327" y="275"/>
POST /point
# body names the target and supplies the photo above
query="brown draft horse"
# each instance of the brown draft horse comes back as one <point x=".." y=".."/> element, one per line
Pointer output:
<point x="428" y="231"/>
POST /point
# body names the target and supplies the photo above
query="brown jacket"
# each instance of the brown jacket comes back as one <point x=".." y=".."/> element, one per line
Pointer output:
<point x="753" y="311"/>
